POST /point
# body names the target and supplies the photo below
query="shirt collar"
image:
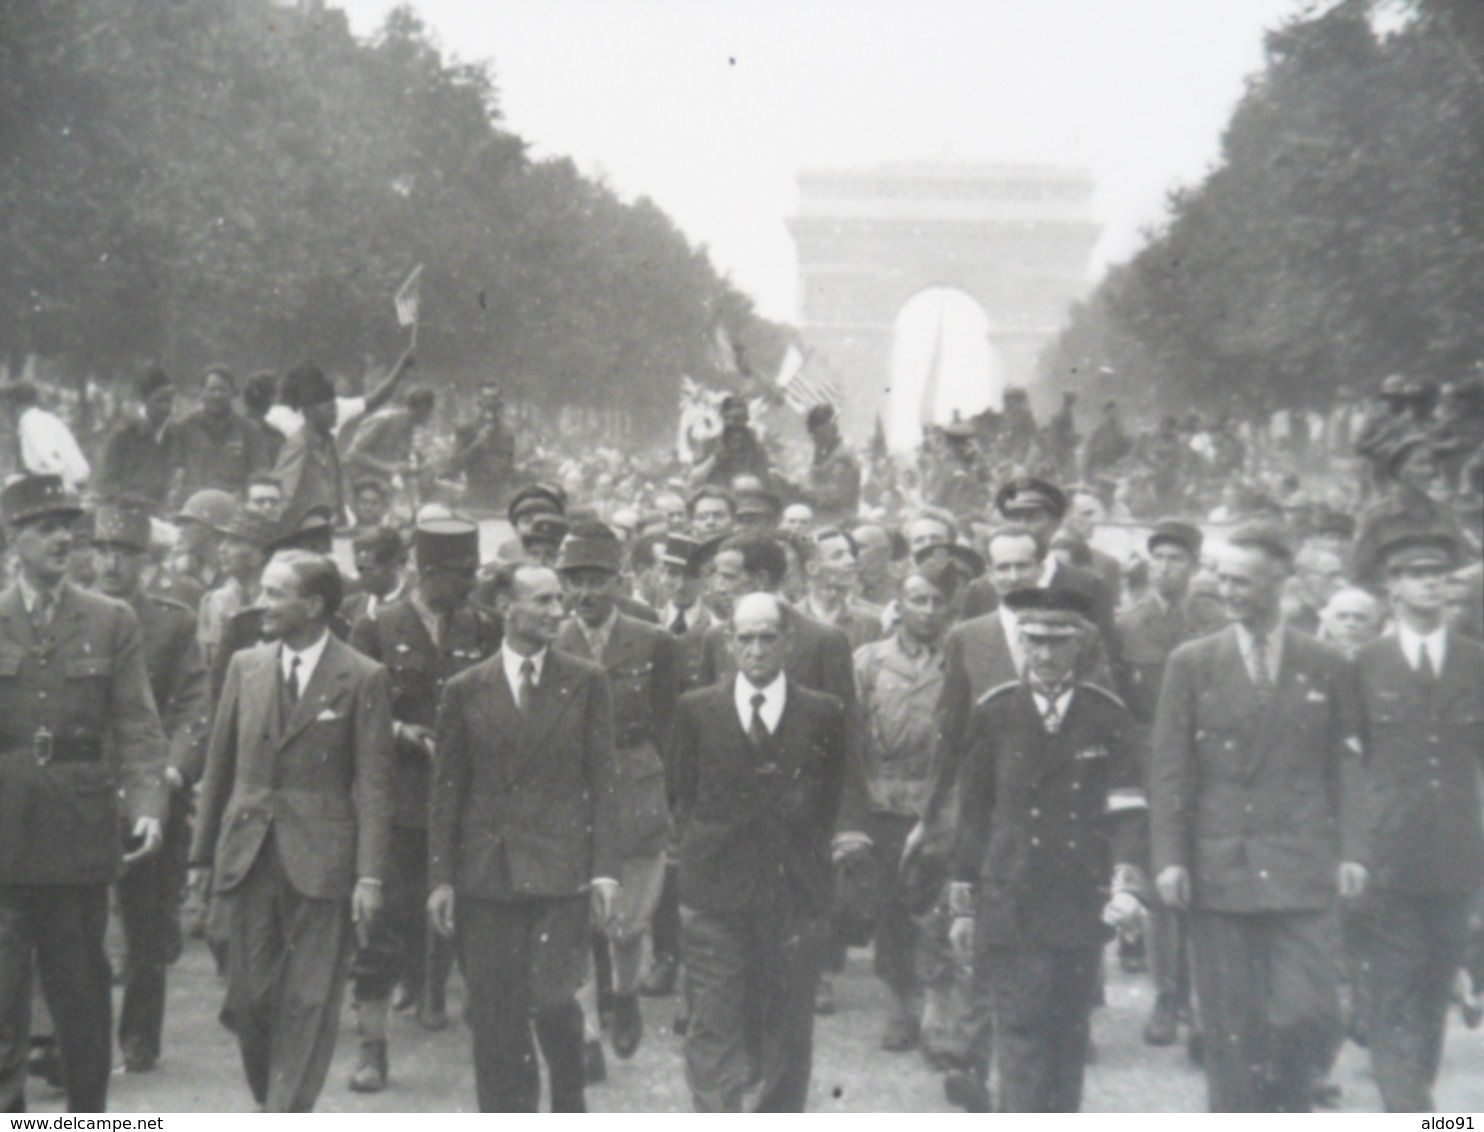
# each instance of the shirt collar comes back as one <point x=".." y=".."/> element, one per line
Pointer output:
<point x="597" y="636"/>
<point x="1248" y="644"/>
<point x="774" y="696"/>
<point x="308" y="658"/>
<point x="1412" y="643"/>
<point x="513" y="660"/>
<point x="30" y="594"/>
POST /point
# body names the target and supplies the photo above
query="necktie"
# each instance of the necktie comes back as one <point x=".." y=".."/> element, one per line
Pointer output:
<point x="291" y="685"/>
<point x="1425" y="664"/>
<point x="757" y="730"/>
<point x="527" y="684"/>
<point x="1261" y="676"/>
<point x="41" y="615"/>
<point x="678" y="625"/>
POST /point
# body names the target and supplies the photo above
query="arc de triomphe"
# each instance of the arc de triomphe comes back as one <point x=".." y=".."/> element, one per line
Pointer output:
<point x="1015" y="238"/>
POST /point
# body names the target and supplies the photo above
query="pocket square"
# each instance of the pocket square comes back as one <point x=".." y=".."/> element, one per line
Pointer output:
<point x="326" y="716"/>
<point x="1315" y="696"/>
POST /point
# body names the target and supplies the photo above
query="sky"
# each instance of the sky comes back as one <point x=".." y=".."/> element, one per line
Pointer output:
<point x="712" y="107"/>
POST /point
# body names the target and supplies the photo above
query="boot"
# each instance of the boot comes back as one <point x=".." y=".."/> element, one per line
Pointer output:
<point x="371" y="1070"/>
<point x="628" y="1025"/>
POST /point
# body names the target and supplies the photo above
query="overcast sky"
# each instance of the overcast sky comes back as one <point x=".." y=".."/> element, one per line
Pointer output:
<point x="711" y="107"/>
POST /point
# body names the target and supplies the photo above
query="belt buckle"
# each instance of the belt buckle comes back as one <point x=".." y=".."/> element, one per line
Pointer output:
<point x="44" y="746"/>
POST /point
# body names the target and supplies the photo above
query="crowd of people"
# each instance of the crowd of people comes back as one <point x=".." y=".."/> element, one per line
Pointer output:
<point x="694" y="731"/>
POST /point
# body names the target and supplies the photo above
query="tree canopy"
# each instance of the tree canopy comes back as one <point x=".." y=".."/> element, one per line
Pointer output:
<point x="247" y="182"/>
<point x="1339" y="239"/>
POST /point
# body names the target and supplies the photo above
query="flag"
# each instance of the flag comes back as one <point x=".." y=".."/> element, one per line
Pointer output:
<point x="927" y="408"/>
<point x="789" y="368"/>
<point x="407" y="297"/>
<point x="809" y="387"/>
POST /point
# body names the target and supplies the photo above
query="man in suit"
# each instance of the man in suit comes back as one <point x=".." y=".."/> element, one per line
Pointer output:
<point x="687" y="619"/>
<point x="1255" y="727"/>
<point x="819" y="658"/>
<point x="81" y="754"/>
<point x="643" y="679"/>
<point x="149" y="891"/>
<point x="423" y="640"/>
<point x="760" y="766"/>
<point x="523" y="843"/>
<point x="1146" y="635"/>
<point x="1035" y="857"/>
<point x="1422" y="697"/>
<point x="295" y="821"/>
<point x="1040" y="506"/>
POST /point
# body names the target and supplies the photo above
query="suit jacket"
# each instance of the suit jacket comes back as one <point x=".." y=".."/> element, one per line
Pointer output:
<point x="1250" y="798"/>
<point x="177" y="679"/>
<point x="1146" y="635"/>
<point x="980" y="597"/>
<point x="1419" y="784"/>
<point x="418" y="669"/>
<point x="524" y="806"/>
<point x="85" y="686"/>
<point x="321" y="784"/>
<point x="976" y="659"/>
<point x="756" y="824"/>
<point x="642" y="663"/>
<point x="1034" y="826"/>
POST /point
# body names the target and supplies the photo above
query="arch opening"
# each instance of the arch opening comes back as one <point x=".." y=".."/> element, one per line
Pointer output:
<point x="944" y="363"/>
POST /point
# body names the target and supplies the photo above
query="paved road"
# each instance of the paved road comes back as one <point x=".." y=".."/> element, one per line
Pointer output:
<point x="432" y="1072"/>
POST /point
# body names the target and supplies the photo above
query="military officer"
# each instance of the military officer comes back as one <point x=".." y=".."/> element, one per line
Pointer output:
<point x="1422" y="699"/>
<point x="1145" y="637"/>
<point x="149" y="890"/>
<point x="423" y="640"/>
<point x="79" y="743"/>
<point x="1034" y="860"/>
<point x="643" y="669"/>
<point x="686" y="617"/>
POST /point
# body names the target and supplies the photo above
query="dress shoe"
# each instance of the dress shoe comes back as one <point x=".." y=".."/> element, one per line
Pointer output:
<point x="45" y="1061"/>
<point x="824" y="996"/>
<point x="138" y="1059"/>
<point x="628" y="1025"/>
<point x="660" y="981"/>
<point x="966" y="1091"/>
<point x="901" y="1033"/>
<point x="1163" y="1026"/>
<point x="432" y="1017"/>
<point x="371" y="1070"/>
<point x="404" y="1000"/>
<point x="594" y="1064"/>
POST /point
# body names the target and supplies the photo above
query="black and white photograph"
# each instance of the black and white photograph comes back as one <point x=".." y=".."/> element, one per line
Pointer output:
<point x="843" y="556"/>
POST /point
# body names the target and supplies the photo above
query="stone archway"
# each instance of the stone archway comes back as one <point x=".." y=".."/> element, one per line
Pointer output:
<point x="944" y="362"/>
<point x="1015" y="238"/>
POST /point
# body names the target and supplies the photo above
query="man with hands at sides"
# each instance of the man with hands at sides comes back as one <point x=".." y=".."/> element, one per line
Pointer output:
<point x="1252" y="810"/>
<point x="295" y="814"/>
<point x="523" y="843"/>
<point x="1048" y="806"/>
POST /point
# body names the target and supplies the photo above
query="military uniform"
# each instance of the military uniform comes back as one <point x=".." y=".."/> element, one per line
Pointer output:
<point x="149" y="892"/>
<point x="1422" y="701"/>
<point x="79" y="734"/>
<point x="1034" y="835"/>
<point x="418" y="666"/>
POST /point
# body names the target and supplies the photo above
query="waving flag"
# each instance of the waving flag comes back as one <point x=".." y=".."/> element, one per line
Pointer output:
<point x="408" y="296"/>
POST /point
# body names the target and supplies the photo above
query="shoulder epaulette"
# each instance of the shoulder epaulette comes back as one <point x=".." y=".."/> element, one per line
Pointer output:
<point x="999" y="690"/>
<point x="1113" y="697"/>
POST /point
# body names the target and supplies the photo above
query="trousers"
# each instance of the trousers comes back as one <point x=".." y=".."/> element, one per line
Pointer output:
<point x="1409" y="948"/>
<point x="523" y="961"/>
<point x="148" y="896"/>
<point x="62" y="926"/>
<point x="287" y="961"/>
<point x="401" y="947"/>
<point x="1043" y="1000"/>
<point x="749" y="984"/>
<point x="1268" y="988"/>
